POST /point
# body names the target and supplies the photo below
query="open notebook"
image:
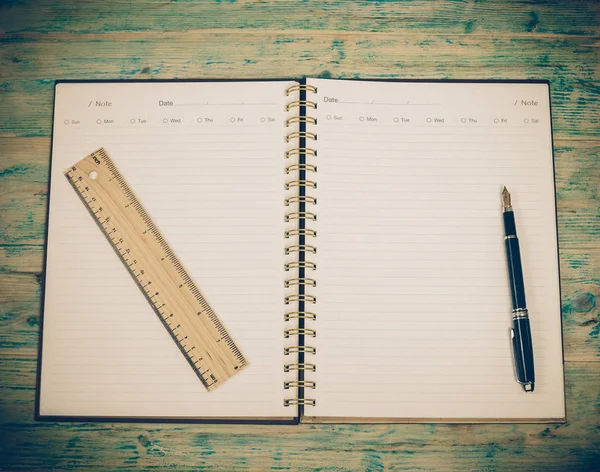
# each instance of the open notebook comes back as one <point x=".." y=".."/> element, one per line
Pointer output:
<point x="356" y="222"/>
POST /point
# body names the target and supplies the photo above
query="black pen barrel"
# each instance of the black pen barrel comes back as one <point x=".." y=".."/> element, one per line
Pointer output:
<point x="521" y="331"/>
<point x="515" y="269"/>
<point x="523" y="349"/>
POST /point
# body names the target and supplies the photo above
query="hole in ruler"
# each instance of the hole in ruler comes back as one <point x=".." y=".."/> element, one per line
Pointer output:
<point x="93" y="175"/>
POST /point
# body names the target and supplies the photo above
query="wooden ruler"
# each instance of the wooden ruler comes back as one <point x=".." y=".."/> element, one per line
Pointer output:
<point x="169" y="289"/>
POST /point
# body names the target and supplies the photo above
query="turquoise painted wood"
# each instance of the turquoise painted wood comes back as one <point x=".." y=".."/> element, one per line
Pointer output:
<point x="45" y="40"/>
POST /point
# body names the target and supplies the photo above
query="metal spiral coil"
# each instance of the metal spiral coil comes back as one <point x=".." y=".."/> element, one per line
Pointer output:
<point x="299" y="366"/>
<point x="300" y="134"/>
<point x="300" y="183"/>
<point x="299" y="401"/>
<point x="300" y="88"/>
<point x="300" y="332"/>
<point x="301" y="264"/>
<point x="301" y="315"/>
<point x="300" y="199"/>
<point x="302" y="211"/>
<point x="301" y="232"/>
<point x="300" y="167"/>
<point x="300" y="103"/>
<point x="301" y="297"/>
<point x="305" y="349"/>
<point x="299" y="383"/>
<point x="301" y="119"/>
<point x="300" y="281"/>
<point x="301" y="151"/>
<point x="296" y="215"/>
<point x="300" y="248"/>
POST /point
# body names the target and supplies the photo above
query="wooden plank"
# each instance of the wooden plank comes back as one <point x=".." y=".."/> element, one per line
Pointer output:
<point x="569" y="446"/>
<point x="24" y="170"/>
<point x="26" y="104"/>
<point x="577" y="181"/>
<point x="22" y="211"/>
<point x="21" y="258"/>
<point x="465" y="17"/>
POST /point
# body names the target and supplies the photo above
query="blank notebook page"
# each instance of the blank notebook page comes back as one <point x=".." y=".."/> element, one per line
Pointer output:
<point x="206" y="161"/>
<point x="413" y="302"/>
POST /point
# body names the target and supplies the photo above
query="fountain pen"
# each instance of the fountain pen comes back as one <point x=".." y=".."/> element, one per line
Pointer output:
<point x="520" y="333"/>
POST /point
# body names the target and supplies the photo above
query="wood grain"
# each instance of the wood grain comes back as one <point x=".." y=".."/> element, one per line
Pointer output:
<point x="463" y="16"/>
<point x="45" y="40"/>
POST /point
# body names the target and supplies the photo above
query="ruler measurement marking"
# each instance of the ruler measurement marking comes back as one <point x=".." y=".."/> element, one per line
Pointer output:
<point x="222" y="362"/>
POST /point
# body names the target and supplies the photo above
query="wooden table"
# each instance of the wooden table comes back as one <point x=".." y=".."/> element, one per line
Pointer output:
<point x="45" y="40"/>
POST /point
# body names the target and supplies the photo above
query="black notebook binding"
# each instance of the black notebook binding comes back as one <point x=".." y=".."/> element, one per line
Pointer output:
<point x="300" y="321"/>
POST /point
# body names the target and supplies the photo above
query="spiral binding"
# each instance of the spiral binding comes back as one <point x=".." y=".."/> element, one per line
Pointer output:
<point x="300" y="331"/>
<point x="299" y="383"/>
<point x="298" y="215"/>
<point x="304" y="151"/>
<point x="308" y="315"/>
<point x="301" y="119"/>
<point x="300" y="281"/>
<point x="300" y="183"/>
<point x="299" y="401"/>
<point x="300" y="167"/>
<point x="300" y="104"/>
<point x="301" y="199"/>
<point x="300" y="88"/>
<point x="301" y="265"/>
<point x="299" y="366"/>
<point x="301" y="212"/>
<point x="301" y="297"/>
<point x="300" y="134"/>
<point x="301" y="232"/>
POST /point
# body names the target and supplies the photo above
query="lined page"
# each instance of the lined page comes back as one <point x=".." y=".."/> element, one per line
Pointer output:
<point x="413" y="301"/>
<point x="206" y="161"/>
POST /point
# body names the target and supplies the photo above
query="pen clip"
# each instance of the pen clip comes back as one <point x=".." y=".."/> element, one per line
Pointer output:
<point x="511" y="333"/>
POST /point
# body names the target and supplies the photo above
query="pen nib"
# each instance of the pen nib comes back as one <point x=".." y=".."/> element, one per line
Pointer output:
<point x="505" y="198"/>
